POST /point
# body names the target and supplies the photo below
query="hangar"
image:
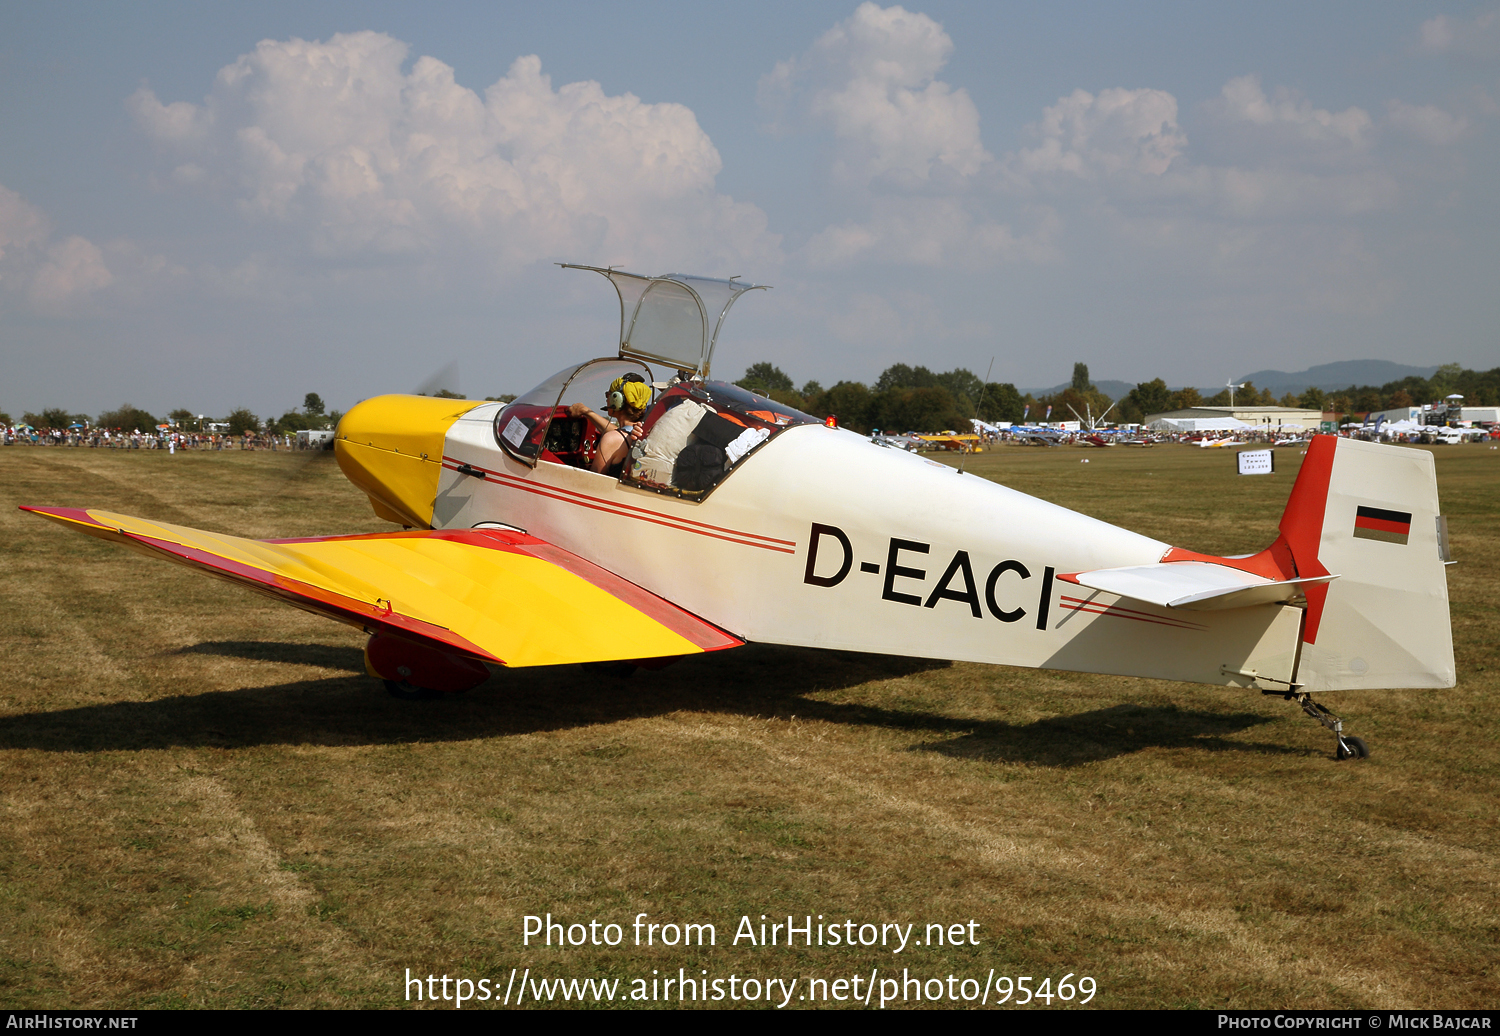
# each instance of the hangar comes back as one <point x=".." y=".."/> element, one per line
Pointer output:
<point x="1270" y="419"/>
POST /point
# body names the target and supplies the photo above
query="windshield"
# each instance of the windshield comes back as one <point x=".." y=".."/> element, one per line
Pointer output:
<point x="744" y="401"/>
<point x="521" y="427"/>
<point x="591" y="381"/>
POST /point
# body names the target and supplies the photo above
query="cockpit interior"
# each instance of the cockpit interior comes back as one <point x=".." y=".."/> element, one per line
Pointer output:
<point x="693" y="435"/>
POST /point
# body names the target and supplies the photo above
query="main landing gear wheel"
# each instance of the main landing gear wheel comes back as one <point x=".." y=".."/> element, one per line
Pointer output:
<point x="1345" y="747"/>
<point x="414" y="671"/>
<point x="618" y="670"/>
<point x="408" y="692"/>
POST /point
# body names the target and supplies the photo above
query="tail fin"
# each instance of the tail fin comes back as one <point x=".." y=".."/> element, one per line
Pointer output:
<point x="1369" y="515"/>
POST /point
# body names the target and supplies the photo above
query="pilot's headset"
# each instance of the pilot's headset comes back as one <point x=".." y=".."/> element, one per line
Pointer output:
<point x="629" y="391"/>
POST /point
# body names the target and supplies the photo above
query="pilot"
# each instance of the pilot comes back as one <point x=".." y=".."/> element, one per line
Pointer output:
<point x="626" y="403"/>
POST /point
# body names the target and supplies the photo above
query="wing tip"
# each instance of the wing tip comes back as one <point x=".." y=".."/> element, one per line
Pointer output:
<point x="73" y="515"/>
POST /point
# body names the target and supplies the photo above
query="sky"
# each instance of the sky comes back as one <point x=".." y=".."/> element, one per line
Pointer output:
<point x="214" y="206"/>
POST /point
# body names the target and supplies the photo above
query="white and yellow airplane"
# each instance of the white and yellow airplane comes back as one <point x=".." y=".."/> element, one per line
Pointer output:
<point x="738" y="519"/>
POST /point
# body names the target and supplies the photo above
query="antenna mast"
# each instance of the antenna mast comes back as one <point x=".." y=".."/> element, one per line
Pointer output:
<point x="982" y="390"/>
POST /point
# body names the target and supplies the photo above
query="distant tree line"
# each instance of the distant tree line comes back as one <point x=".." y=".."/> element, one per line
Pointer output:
<point x="1479" y="388"/>
<point x="915" y="399"/>
<point x="903" y="398"/>
<point x="910" y="399"/>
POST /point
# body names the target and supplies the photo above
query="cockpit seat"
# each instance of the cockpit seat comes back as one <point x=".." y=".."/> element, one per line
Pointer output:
<point x="691" y="446"/>
<point x="670" y="433"/>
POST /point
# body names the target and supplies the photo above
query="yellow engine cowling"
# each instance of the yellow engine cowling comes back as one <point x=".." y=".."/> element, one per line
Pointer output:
<point x="392" y="448"/>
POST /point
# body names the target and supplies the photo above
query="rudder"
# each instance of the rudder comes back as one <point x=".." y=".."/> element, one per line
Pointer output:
<point x="1369" y="514"/>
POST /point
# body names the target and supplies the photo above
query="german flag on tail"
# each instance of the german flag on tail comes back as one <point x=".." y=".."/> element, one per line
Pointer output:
<point x="1374" y="523"/>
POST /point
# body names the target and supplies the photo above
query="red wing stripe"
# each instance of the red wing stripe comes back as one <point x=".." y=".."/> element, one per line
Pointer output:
<point x="643" y="514"/>
<point x="361" y="613"/>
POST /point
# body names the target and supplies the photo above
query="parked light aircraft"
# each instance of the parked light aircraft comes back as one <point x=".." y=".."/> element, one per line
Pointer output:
<point x="1033" y="435"/>
<point x="965" y="443"/>
<point x="737" y="519"/>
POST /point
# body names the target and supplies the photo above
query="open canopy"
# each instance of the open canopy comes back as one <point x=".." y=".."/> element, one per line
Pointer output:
<point x="673" y="318"/>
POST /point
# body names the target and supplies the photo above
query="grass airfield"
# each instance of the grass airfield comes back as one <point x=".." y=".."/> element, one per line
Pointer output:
<point x="205" y="803"/>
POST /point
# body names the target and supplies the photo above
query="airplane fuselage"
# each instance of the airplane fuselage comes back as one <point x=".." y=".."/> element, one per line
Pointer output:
<point x="823" y="539"/>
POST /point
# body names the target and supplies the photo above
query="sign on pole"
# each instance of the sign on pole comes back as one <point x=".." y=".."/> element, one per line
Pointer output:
<point x="1256" y="462"/>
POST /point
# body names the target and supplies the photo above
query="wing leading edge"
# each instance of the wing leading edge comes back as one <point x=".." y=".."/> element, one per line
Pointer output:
<point x="496" y="595"/>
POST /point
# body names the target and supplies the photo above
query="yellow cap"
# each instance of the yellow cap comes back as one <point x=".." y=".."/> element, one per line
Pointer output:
<point x="637" y="394"/>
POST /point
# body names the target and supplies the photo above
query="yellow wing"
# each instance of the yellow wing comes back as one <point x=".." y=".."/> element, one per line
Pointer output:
<point x="495" y="595"/>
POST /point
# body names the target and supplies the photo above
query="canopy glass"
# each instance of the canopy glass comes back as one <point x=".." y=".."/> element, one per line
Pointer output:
<point x="673" y="318"/>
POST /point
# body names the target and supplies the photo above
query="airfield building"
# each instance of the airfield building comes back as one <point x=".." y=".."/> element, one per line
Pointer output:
<point x="1271" y="419"/>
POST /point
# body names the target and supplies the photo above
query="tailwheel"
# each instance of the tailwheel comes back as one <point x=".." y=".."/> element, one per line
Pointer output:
<point x="1345" y="746"/>
<point x="1353" y="748"/>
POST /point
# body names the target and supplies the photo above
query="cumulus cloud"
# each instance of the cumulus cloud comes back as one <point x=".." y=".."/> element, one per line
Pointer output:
<point x="74" y="268"/>
<point x="911" y="170"/>
<point x="1477" y="37"/>
<point x="1279" y="193"/>
<point x="1119" y="158"/>
<point x="1116" y="131"/>
<point x="1426" y="122"/>
<point x="907" y="157"/>
<point x="931" y="232"/>
<point x="340" y="138"/>
<point x="1285" y="125"/>
<point x="872" y="80"/>
<point x="51" y="275"/>
<point x="21" y="223"/>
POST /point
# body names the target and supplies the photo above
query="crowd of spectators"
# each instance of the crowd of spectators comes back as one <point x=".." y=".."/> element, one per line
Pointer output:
<point x="171" y="440"/>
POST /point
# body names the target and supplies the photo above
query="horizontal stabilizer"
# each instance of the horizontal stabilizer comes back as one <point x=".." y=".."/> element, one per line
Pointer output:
<point x="1193" y="585"/>
<point x="496" y="595"/>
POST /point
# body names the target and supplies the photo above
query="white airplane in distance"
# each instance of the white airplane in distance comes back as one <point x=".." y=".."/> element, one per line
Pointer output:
<point x="527" y="536"/>
<point x="1035" y="435"/>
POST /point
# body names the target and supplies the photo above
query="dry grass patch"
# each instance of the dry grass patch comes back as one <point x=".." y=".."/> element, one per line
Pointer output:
<point x="205" y="802"/>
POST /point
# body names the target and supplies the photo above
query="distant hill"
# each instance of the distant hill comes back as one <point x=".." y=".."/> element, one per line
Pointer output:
<point x="1331" y="377"/>
<point x="1112" y="389"/>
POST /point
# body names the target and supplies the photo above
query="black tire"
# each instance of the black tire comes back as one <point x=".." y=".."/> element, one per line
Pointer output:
<point x="1357" y="749"/>
<point x="407" y="692"/>
<point x="618" y="670"/>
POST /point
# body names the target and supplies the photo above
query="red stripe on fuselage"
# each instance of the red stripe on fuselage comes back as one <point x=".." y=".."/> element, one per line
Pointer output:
<point x="1079" y="604"/>
<point x="568" y="496"/>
